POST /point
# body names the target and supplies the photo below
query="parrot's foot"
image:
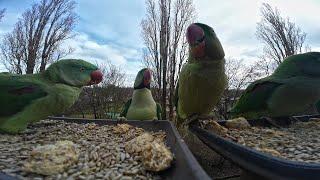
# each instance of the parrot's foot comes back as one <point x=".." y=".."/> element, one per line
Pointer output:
<point x="197" y="117"/>
<point x="155" y="119"/>
<point x="271" y="121"/>
<point x="30" y="131"/>
<point x="121" y="119"/>
<point x="191" y="119"/>
<point x="294" y="119"/>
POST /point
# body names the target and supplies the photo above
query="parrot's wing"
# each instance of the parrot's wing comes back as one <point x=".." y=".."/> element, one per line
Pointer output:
<point x="255" y="97"/>
<point x="159" y="111"/>
<point x="15" y="95"/>
<point x="126" y="108"/>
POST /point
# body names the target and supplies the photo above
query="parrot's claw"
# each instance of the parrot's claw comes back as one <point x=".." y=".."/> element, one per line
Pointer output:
<point x="271" y="121"/>
<point x="30" y="131"/>
<point x="121" y="119"/>
<point x="294" y="119"/>
<point x="192" y="118"/>
<point x="197" y="117"/>
<point x="154" y="119"/>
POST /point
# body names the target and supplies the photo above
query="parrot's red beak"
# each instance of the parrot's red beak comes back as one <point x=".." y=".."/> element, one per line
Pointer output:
<point x="195" y="37"/>
<point x="147" y="77"/>
<point x="96" y="77"/>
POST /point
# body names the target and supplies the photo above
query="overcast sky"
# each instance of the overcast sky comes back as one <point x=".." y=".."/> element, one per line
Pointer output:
<point x="111" y="29"/>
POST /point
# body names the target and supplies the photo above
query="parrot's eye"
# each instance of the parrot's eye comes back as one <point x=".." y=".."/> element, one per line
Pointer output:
<point x="81" y="69"/>
<point x="200" y="40"/>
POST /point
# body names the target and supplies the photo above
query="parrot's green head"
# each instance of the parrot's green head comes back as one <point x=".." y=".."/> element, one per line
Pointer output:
<point x="143" y="79"/>
<point x="74" y="72"/>
<point x="203" y="42"/>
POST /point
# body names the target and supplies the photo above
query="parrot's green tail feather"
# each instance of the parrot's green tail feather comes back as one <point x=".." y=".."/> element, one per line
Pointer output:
<point x="159" y="112"/>
<point x="125" y="108"/>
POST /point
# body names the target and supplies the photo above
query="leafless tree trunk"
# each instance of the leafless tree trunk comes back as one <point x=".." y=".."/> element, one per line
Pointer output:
<point x="165" y="6"/>
<point x="281" y="37"/>
<point x="37" y="36"/>
<point x="163" y="34"/>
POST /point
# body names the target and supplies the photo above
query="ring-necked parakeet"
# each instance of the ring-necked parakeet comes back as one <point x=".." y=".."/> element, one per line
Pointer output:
<point x="142" y="105"/>
<point x="32" y="97"/>
<point x="293" y="89"/>
<point x="202" y="79"/>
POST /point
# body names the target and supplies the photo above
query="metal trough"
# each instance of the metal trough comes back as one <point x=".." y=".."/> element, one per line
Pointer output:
<point x="257" y="164"/>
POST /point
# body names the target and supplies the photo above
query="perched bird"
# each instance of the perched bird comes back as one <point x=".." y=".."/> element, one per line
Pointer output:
<point x="293" y="89"/>
<point x="202" y="79"/>
<point x="32" y="97"/>
<point x="142" y="105"/>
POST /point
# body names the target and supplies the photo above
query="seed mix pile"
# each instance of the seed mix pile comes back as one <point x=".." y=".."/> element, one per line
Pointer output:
<point x="298" y="142"/>
<point x="53" y="149"/>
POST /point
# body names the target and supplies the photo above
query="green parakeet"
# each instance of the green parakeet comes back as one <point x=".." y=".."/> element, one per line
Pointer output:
<point x="202" y="79"/>
<point x="142" y="105"/>
<point x="32" y="97"/>
<point x="293" y="89"/>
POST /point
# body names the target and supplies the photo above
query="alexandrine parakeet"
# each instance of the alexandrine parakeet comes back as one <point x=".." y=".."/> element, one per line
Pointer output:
<point x="29" y="98"/>
<point x="202" y="79"/>
<point x="142" y="105"/>
<point x="293" y="89"/>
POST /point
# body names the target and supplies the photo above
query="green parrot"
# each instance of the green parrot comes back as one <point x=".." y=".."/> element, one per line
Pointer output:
<point x="202" y="79"/>
<point x="293" y="89"/>
<point x="142" y="105"/>
<point x="32" y="97"/>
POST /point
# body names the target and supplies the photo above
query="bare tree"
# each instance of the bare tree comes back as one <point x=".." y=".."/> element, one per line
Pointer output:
<point x="107" y="97"/>
<point x="37" y="36"/>
<point x="281" y="36"/>
<point x="114" y="75"/>
<point x="2" y="11"/>
<point x="81" y="107"/>
<point x="13" y="51"/>
<point x="163" y="33"/>
<point x="239" y="76"/>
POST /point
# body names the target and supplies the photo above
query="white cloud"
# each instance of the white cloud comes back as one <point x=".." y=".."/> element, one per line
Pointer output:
<point x="116" y="21"/>
<point x="92" y="51"/>
<point x="111" y="29"/>
<point x="235" y="22"/>
<point x="89" y="50"/>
